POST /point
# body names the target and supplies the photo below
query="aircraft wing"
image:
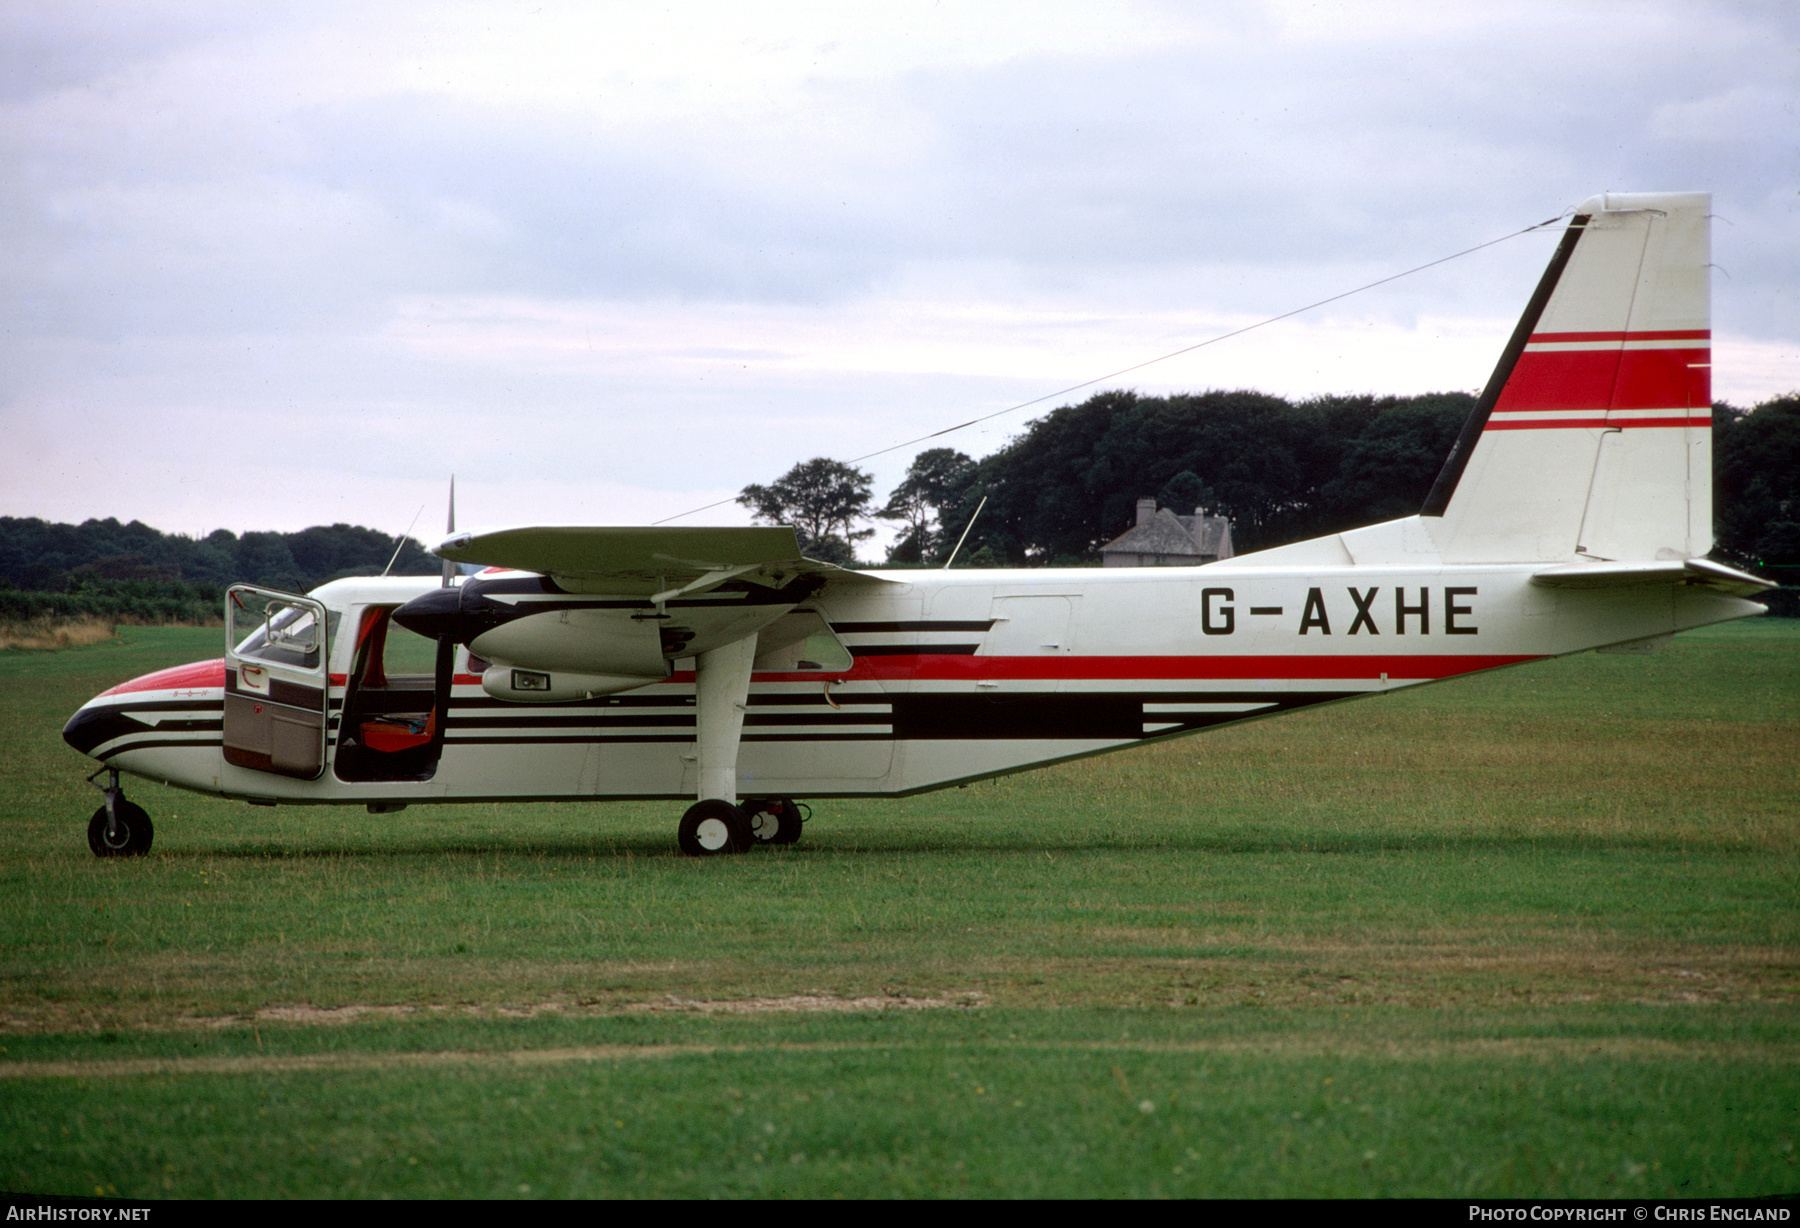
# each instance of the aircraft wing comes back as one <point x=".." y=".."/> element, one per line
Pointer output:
<point x="1703" y="572"/>
<point x="663" y="559"/>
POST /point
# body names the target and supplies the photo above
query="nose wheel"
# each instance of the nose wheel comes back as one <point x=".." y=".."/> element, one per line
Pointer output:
<point x="119" y="828"/>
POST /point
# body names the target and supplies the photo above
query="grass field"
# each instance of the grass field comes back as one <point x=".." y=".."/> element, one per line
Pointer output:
<point x="1534" y="933"/>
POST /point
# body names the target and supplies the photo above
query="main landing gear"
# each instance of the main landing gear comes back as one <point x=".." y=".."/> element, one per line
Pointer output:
<point x="119" y="828"/>
<point x="716" y="826"/>
<point x="775" y="820"/>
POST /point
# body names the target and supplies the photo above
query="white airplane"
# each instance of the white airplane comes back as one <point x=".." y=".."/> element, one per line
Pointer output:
<point x="719" y="664"/>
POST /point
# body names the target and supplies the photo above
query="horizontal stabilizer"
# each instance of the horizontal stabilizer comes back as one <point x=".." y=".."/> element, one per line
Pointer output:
<point x="652" y="555"/>
<point x="1702" y="572"/>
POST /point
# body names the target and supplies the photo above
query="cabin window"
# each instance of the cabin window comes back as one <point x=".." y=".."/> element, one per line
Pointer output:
<point x="270" y="629"/>
<point x="801" y="642"/>
<point x="823" y="652"/>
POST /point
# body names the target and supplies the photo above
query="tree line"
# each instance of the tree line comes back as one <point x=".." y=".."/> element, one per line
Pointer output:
<point x="1281" y="470"/>
<point x="45" y="557"/>
<point x="1756" y="492"/>
<point x="136" y="573"/>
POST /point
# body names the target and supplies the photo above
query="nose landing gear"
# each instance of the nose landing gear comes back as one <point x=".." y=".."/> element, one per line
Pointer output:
<point x="119" y="828"/>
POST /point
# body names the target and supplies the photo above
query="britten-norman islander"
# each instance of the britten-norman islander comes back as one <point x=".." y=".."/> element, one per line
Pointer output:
<point x="720" y="666"/>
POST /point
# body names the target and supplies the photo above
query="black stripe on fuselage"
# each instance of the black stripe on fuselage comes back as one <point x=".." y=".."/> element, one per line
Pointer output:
<point x="816" y="697"/>
<point x="939" y="716"/>
<point x="157" y="743"/>
<point x="678" y="739"/>
<point x="1077" y="715"/>
<point x="926" y="717"/>
<point x="670" y="720"/>
<point x="93" y="727"/>
<point x="912" y="650"/>
<point x="892" y="628"/>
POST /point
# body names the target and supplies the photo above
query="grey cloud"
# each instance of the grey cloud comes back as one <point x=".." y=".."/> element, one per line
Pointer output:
<point x="1339" y="158"/>
<point x="576" y="214"/>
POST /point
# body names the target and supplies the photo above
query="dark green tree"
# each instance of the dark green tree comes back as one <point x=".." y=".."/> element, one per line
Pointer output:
<point x="1185" y="492"/>
<point x="1756" y="493"/>
<point x="823" y="500"/>
<point x="42" y="557"/>
<point x="1280" y="471"/>
<point x="934" y="481"/>
<point x="1389" y="464"/>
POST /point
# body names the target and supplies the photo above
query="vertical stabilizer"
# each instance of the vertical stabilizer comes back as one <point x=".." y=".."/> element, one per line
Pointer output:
<point x="1593" y="439"/>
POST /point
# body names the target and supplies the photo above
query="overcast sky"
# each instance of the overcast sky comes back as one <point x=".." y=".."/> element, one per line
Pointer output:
<point x="273" y="265"/>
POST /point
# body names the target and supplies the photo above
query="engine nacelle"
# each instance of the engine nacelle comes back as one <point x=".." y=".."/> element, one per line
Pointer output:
<point x="534" y="686"/>
<point x="591" y="641"/>
<point x="570" y="654"/>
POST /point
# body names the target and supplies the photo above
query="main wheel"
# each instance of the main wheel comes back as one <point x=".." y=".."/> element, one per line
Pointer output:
<point x="774" y="820"/>
<point x="714" y="826"/>
<point x="130" y="834"/>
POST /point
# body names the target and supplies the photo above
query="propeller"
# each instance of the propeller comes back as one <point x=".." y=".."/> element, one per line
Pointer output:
<point x="445" y="674"/>
<point x="449" y="529"/>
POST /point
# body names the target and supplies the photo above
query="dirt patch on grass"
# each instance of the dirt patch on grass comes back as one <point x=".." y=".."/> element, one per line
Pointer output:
<point x="803" y="1003"/>
<point x="1192" y="967"/>
<point x="296" y="1063"/>
<point x="810" y="1003"/>
<point x="1181" y="967"/>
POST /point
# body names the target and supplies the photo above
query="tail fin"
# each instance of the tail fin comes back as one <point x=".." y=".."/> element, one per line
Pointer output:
<point x="1593" y="438"/>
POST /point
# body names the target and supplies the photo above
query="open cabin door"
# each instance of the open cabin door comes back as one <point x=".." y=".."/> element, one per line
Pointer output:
<point x="396" y="694"/>
<point x="277" y="652"/>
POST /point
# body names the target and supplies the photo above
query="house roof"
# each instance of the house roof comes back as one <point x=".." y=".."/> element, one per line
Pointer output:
<point x="1164" y="534"/>
<point x="1209" y="533"/>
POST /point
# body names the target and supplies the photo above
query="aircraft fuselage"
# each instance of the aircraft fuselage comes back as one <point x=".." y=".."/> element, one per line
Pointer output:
<point x="953" y="676"/>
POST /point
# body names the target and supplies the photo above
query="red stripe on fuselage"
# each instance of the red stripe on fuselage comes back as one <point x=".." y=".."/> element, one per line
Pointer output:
<point x="963" y="667"/>
<point x="943" y="667"/>
<point x="1156" y="668"/>
<point x="176" y="678"/>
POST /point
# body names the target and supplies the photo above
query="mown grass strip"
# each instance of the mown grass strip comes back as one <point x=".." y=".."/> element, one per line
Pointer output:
<point x="1536" y="1049"/>
<point x="926" y="1122"/>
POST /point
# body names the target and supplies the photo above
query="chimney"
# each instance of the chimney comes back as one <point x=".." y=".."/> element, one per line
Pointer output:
<point x="1146" y="511"/>
<point x="1199" y="513"/>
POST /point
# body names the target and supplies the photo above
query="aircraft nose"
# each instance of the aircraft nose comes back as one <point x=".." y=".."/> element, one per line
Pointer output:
<point x="91" y="726"/>
<point x="195" y="688"/>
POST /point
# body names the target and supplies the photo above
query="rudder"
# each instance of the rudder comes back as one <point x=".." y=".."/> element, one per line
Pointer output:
<point x="1593" y="438"/>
